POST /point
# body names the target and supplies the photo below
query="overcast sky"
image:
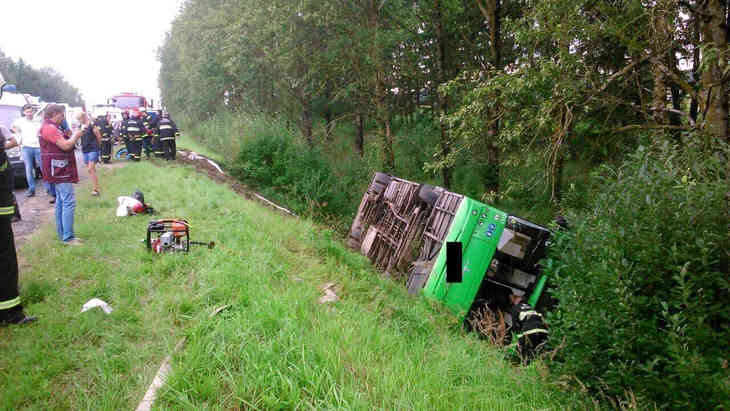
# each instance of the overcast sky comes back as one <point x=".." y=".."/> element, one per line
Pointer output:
<point x="102" y="47"/>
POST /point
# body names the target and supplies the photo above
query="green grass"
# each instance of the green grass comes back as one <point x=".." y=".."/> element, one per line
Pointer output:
<point x="276" y="347"/>
<point x="185" y="141"/>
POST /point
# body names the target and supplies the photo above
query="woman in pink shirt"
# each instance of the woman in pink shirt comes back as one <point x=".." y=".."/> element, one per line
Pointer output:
<point x="59" y="169"/>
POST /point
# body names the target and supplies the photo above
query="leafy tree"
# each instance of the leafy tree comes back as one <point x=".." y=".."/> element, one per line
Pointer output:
<point x="45" y="83"/>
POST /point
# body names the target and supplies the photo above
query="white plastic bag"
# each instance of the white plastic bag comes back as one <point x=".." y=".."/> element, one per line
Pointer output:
<point x="95" y="302"/>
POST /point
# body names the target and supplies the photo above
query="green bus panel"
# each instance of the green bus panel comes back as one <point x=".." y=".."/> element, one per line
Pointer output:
<point x="478" y="228"/>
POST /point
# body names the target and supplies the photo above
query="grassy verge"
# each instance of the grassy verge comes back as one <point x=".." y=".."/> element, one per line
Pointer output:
<point x="185" y="141"/>
<point x="275" y="347"/>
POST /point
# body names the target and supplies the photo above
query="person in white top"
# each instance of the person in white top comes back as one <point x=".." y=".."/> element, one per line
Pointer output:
<point x="26" y="134"/>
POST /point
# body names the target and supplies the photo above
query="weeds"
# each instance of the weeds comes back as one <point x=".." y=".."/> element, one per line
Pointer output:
<point x="491" y="325"/>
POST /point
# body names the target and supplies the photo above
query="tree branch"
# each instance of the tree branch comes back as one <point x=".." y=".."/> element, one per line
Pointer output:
<point x="671" y="110"/>
<point x="483" y="9"/>
<point x="648" y="127"/>
<point x="686" y="87"/>
<point x="623" y="71"/>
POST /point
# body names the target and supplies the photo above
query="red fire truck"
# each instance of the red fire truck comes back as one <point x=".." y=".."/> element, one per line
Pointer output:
<point x="132" y="102"/>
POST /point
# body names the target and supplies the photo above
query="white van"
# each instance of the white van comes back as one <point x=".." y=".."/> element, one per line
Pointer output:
<point x="11" y="106"/>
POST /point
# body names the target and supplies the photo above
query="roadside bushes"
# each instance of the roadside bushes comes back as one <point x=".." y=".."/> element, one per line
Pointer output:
<point x="222" y="132"/>
<point x="642" y="282"/>
<point x="288" y="170"/>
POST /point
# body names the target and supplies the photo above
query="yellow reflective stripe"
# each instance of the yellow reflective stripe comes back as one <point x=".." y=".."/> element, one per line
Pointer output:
<point x="5" y="305"/>
<point x="524" y="314"/>
<point x="7" y="210"/>
<point x="4" y="166"/>
<point x="534" y="331"/>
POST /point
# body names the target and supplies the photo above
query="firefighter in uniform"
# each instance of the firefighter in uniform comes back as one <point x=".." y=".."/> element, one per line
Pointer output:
<point x="133" y="129"/>
<point x="529" y="329"/>
<point x="123" y="131"/>
<point x="147" y="137"/>
<point x="11" y="310"/>
<point x="155" y="126"/>
<point x="106" y="138"/>
<point x="168" y="132"/>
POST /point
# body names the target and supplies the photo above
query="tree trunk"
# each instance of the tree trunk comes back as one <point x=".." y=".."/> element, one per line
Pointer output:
<point x="557" y="179"/>
<point x="713" y="91"/>
<point x="307" y="123"/>
<point x="388" y="146"/>
<point x="674" y="118"/>
<point x="441" y="99"/>
<point x="329" y="125"/>
<point x="360" y="139"/>
<point x="382" y="111"/>
<point x="493" y="11"/>
<point x="695" y="65"/>
<point x="556" y="158"/>
<point x="661" y="37"/>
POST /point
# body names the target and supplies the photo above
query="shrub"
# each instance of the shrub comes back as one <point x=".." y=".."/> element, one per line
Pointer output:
<point x="642" y="282"/>
<point x="289" y="170"/>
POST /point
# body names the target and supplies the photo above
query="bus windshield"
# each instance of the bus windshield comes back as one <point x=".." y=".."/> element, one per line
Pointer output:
<point x="127" y="102"/>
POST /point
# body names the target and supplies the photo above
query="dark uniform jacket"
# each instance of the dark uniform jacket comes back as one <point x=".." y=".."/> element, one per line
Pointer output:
<point x="168" y="128"/>
<point x="525" y="320"/>
<point x="132" y="128"/>
<point x="105" y="128"/>
<point x="7" y="208"/>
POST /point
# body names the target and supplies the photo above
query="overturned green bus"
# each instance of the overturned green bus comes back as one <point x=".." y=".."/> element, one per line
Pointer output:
<point x="404" y="227"/>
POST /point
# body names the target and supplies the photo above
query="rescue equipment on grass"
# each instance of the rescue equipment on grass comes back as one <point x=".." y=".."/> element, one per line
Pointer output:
<point x="133" y="205"/>
<point x="171" y="235"/>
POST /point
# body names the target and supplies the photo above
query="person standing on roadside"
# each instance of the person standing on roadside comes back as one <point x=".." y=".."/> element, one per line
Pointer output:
<point x="102" y="122"/>
<point x="90" y="144"/>
<point x="26" y="131"/>
<point x="66" y="131"/>
<point x="154" y="125"/>
<point x="133" y="128"/>
<point x="168" y="132"/>
<point x="11" y="309"/>
<point x="146" y="119"/>
<point x="59" y="168"/>
<point x="10" y="142"/>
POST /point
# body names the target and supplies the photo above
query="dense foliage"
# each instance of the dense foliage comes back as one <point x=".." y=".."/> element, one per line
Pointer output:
<point x="524" y="104"/>
<point x="45" y="82"/>
<point x="642" y="281"/>
<point x="280" y="166"/>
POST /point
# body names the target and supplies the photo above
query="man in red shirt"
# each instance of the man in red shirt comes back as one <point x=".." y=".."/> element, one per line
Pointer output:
<point x="59" y="169"/>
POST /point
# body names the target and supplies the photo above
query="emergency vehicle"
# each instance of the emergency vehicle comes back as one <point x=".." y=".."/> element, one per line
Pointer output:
<point x="131" y="102"/>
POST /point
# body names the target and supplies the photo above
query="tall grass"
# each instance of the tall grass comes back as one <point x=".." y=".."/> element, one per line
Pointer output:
<point x="225" y="132"/>
<point x="276" y="347"/>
